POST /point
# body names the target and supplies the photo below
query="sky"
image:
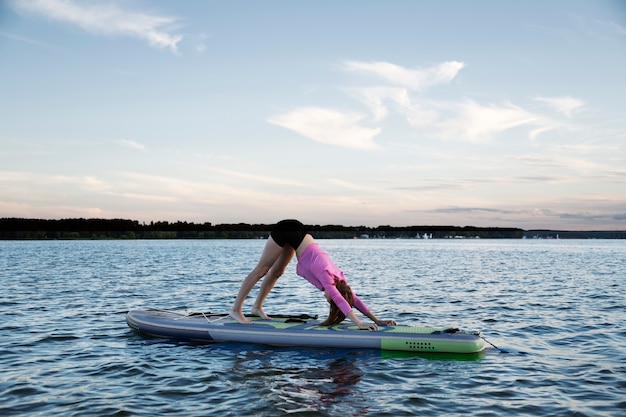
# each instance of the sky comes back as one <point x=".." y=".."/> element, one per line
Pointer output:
<point x="482" y="113"/>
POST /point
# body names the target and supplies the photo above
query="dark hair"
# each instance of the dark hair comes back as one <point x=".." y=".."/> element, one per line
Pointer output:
<point x="335" y="315"/>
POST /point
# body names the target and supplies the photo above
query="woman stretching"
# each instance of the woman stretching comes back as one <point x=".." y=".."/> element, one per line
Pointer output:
<point x="290" y="237"/>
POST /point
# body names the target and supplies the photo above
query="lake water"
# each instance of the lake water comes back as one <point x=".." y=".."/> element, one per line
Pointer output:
<point x="556" y="306"/>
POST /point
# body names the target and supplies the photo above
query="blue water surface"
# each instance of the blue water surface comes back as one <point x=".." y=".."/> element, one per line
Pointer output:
<point x="557" y="307"/>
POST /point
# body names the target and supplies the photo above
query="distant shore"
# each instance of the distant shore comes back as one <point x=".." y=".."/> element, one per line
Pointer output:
<point x="79" y="228"/>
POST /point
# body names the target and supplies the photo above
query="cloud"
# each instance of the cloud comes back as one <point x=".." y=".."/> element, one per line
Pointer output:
<point x="409" y="78"/>
<point x="463" y="120"/>
<point x="565" y="105"/>
<point x="402" y="93"/>
<point x="460" y="120"/>
<point x="201" y="46"/>
<point x="259" y="178"/>
<point x="26" y="40"/>
<point x="375" y="97"/>
<point x="328" y="126"/>
<point x="107" y="19"/>
<point x="131" y="144"/>
<point x="460" y="210"/>
<point x="378" y="100"/>
<point x="478" y="123"/>
<point x="565" y="163"/>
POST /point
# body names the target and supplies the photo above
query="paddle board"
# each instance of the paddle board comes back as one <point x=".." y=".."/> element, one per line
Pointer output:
<point x="303" y="331"/>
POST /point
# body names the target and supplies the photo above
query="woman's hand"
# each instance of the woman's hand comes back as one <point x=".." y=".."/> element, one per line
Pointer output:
<point x="370" y="327"/>
<point x="360" y="324"/>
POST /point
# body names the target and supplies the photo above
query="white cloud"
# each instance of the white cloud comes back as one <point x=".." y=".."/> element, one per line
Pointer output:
<point x="409" y="78"/>
<point x="132" y="144"/>
<point x="376" y="97"/>
<point x="201" y="46"/>
<point x="259" y="178"/>
<point x="463" y="120"/>
<point x="85" y="183"/>
<point x="107" y="19"/>
<point x="565" y="105"/>
<point x="470" y="121"/>
<point x="328" y="126"/>
<point x="478" y="123"/>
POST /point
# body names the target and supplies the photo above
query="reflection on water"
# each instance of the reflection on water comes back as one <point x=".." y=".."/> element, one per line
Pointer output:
<point x="304" y="380"/>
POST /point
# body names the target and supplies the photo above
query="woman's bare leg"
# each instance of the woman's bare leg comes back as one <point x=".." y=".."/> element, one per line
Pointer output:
<point x="275" y="272"/>
<point x="271" y="253"/>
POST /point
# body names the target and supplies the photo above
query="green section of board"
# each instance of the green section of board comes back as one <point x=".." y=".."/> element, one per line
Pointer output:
<point x="409" y="345"/>
<point x="433" y="356"/>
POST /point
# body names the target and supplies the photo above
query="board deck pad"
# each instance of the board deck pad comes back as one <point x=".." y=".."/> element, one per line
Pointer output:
<point x="304" y="332"/>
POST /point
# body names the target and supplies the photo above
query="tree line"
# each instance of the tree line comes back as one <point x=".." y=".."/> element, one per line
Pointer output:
<point x="80" y="228"/>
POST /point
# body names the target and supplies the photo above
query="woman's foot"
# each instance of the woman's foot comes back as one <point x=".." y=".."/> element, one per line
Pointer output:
<point x="238" y="315"/>
<point x="258" y="311"/>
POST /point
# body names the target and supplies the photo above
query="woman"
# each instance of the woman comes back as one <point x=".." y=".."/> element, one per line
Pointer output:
<point x="290" y="237"/>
